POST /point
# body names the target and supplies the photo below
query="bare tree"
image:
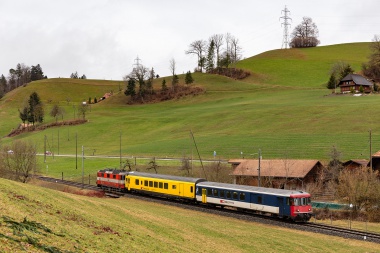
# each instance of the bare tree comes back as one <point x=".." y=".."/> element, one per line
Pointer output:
<point x="153" y="165"/>
<point x="305" y="34"/>
<point x="82" y="109"/>
<point x="235" y="49"/>
<point x="360" y="188"/>
<point x="56" y="111"/>
<point x="172" y="66"/>
<point x="18" y="161"/>
<point x="371" y="69"/>
<point x="218" y="43"/>
<point x="198" y="48"/>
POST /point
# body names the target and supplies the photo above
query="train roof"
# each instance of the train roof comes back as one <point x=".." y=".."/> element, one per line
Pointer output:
<point x="254" y="189"/>
<point x="113" y="171"/>
<point x="167" y="177"/>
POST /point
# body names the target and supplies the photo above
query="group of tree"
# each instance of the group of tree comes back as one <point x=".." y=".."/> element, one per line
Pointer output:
<point x="305" y="34"/>
<point x="20" y="76"/>
<point x="18" y="161"/>
<point x="76" y="76"/>
<point x="371" y="69"/>
<point x="139" y="85"/>
<point x="33" y="111"/>
<point x="220" y="51"/>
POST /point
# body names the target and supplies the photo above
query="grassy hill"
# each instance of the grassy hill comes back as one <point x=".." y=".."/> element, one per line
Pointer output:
<point x="67" y="222"/>
<point x="282" y="109"/>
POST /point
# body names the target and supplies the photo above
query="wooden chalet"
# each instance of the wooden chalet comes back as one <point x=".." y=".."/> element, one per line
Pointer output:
<point x="278" y="173"/>
<point x="355" y="81"/>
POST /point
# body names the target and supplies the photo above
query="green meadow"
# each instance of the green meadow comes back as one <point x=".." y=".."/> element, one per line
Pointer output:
<point x="283" y="108"/>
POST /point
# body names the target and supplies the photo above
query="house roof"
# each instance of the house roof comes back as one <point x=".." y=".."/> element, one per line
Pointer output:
<point x="377" y="154"/>
<point x="275" y="168"/>
<point x="357" y="79"/>
<point x="360" y="162"/>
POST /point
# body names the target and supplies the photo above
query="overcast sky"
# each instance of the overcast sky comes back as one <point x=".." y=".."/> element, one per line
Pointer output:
<point x="102" y="39"/>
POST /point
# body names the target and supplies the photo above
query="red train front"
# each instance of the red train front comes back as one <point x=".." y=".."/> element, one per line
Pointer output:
<point x="300" y="206"/>
<point x="111" y="179"/>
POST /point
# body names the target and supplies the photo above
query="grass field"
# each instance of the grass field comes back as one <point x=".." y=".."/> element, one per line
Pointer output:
<point x="91" y="224"/>
<point x="282" y="109"/>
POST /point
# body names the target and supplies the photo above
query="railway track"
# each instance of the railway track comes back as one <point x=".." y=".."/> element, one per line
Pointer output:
<point x="356" y="234"/>
<point x="238" y="214"/>
<point x="70" y="183"/>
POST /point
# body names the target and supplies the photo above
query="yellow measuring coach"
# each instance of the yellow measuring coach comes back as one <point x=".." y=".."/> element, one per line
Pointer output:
<point x="164" y="185"/>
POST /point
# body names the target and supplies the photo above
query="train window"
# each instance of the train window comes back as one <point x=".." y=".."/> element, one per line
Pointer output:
<point x="102" y="174"/>
<point x="222" y="193"/>
<point x="160" y="185"/>
<point x="235" y="195"/>
<point x="287" y="202"/>
<point x="209" y="192"/>
<point x="259" y="200"/>
<point x="155" y="184"/>
<point x="296" y="202"/>
<point x="145" y="182"/>
<point x="137" y="182"/>
<point x="108" y="175"/>
<point x="174" y="187"/>
<point x="228" y="194"/>
<point x="215" y="192"/>
<point x="191" y="189"/>
<point x="242" y="196"/>
<point x="308" y="201"/>
<point x="150" y="183"/>
<point x="166" y="186"/>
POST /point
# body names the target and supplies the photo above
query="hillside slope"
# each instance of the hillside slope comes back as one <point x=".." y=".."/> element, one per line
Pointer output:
<point x="64" y="222"/>
<point x="282" y="109"/>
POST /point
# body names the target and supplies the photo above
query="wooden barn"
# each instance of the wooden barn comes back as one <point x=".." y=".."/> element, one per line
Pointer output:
<point x="278" y="173"/>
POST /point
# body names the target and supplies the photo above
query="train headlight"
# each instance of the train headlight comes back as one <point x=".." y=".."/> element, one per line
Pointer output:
<point x="298" y="210"/>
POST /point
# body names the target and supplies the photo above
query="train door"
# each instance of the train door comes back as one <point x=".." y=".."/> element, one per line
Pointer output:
<point x="204" y="195"/>
<point x="127" y="182"/>
<point x="180" y="189"/>
<point x="281" y="206"/>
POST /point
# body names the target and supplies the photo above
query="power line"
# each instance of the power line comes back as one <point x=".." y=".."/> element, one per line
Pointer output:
<point x="286" y="24"/>
<point x="137" y="62"/>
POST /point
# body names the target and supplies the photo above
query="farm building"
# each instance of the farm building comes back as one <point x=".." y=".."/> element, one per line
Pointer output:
<point x="355" y="164"/>
<point x="278" y="173"/>
<point x="355" y="81"/>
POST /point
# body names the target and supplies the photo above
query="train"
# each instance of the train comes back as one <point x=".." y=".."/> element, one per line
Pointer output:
<point x="294" y="205"/>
